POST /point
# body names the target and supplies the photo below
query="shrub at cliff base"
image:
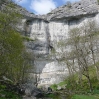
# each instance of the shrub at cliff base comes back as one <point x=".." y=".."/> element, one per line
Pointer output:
<point x="13" y="56"/>
<point x="6" y="94"/>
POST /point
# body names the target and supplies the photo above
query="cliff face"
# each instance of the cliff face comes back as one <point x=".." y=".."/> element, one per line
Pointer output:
<point x="47" y="30"/>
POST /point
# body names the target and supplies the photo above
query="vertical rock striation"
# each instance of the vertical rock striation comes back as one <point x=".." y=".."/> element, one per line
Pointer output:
<point x="47" y="30"/>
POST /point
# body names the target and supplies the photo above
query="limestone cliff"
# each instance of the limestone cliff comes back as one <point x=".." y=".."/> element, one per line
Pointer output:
<point x="49" y="29"/>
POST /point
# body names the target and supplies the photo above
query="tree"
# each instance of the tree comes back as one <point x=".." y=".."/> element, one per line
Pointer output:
<point x="83" y="42"/>
<point x="12" y="50"/>
<point x="91" y="34"/>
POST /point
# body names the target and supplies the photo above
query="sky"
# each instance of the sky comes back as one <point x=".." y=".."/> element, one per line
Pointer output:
<point x="40" y="7"/>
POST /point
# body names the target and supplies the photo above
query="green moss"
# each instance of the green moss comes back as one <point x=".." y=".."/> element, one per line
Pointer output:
<point x="62" y="83"/>
<point x="54" y="86"/>
<point x="27" y="38"/>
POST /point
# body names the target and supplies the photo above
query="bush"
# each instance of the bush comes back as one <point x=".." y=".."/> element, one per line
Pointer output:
<point x="54" y="86"/>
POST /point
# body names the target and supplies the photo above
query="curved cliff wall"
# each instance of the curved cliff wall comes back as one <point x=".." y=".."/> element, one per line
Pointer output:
<point x="48" y="30"/>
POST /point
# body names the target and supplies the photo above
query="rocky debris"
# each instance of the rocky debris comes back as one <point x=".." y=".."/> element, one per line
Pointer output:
<point x="37" y="93"/>
<point x="61" y="87"/>
<point x="49" y="89"/>
<point x="25" y="97"/>
<point x="28" y="92"/>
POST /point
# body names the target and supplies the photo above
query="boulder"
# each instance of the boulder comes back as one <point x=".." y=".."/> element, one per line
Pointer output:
<point x="27" y="92"/>
<point x="37" y="93"/>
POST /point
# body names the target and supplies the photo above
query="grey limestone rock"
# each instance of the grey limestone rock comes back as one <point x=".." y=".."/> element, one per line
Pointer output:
<point x="81" y="8"/>
<point x="49" y="29"/>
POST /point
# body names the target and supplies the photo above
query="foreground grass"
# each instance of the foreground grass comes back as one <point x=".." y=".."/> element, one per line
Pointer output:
<point x="85" y="97"/>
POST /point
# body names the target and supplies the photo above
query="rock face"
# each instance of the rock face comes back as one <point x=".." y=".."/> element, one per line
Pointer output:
<point x="74" y="10"/>
<point x="47" y="30"/>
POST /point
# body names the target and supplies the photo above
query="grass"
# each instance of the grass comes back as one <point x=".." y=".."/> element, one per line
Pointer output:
<point x="54" y="86"/>
<point x="27" y="38"/>
<point x="85" y="97"/>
